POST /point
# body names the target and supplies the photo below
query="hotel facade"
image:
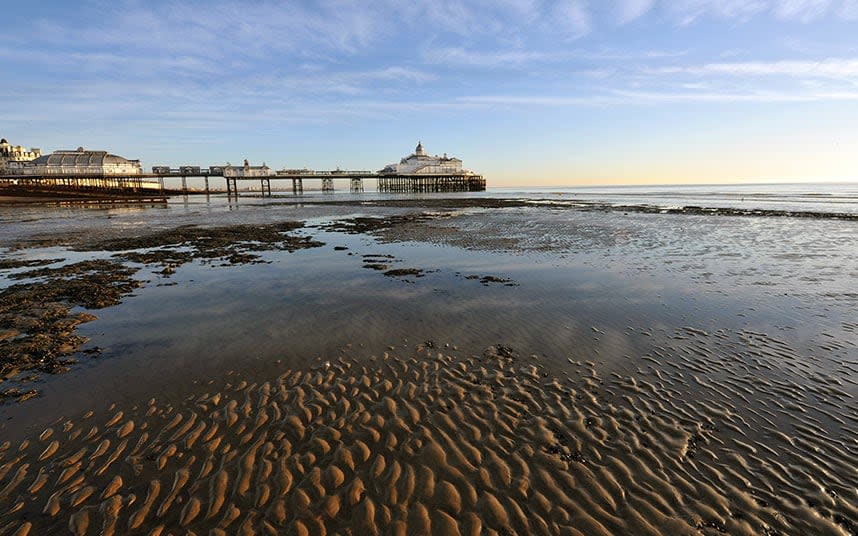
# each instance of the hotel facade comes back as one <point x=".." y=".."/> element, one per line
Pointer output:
<point x="15" y="153"/>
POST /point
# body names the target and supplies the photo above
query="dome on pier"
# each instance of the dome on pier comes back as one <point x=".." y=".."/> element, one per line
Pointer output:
<point x="79" y="162"/>
<point x="80" y="157"/>
<point x="421" y="163"/>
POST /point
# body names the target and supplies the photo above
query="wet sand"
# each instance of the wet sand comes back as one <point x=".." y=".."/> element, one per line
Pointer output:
<point x="421" y="443"/>
<point x="724" y="406"/>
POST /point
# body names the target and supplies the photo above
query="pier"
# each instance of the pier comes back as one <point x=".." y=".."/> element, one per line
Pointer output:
<point x="431" y="183"/>
<point x="83" y="171"/>
<point x="101" y="188"/>
<point x="153" y="184"/>
<point x="384" y="182"/>
<point x="297" y="178"/>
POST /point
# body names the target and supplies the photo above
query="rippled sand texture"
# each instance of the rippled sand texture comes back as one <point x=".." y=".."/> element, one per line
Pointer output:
<point x="432" y="444"/>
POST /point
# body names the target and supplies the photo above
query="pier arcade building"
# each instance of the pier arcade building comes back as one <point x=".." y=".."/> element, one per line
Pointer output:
<point x="80" y="162"/>
<point x="80" y="170"/>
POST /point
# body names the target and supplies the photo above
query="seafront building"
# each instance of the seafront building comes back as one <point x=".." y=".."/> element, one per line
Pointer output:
<point x="79" y="162"/>
<point x="15" y="153"/>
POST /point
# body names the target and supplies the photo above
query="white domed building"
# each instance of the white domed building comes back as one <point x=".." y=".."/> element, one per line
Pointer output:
<point x="421" y="172"/>
<point x="421" y="163"/>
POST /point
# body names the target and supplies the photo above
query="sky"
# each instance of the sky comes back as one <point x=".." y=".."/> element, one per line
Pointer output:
<point x="526" y="92"/>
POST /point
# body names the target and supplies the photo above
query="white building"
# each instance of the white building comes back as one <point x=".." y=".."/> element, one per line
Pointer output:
<point x="15" y="153"/>
<point x="421" y="163"/>
<point x="77" y="162"/>
<point x="247" y="170"/>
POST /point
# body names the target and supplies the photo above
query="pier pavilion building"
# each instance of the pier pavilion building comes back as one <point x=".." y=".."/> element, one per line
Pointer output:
<point x="421" y="163"/>
<point x="15" y="153"/>
<point x="421" y="172"/>
<point x="79" y="162"/>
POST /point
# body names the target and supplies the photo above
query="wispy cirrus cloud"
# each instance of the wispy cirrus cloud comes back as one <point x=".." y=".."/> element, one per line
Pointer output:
<point x="802" y="10"/>
<point x="686" y="12"/>
<point x="484" y="58"/>
<point x="218" y="32"/>
<point x="536" y="100"/>
<point x="629" y="10"/>
<point x="771" y="97"/>
<point x="827" y="68"/>
<point x="849" y="10"/>
<point x="459" y="56"/>
<point x="628" y="97"/>
<point x="573" y="16"/>
<point x="201" y="36"/>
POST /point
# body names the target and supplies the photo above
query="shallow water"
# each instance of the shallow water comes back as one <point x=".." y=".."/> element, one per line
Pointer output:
<point x="821" y="198"/>
<point x="714" y="358"/>
<point x="24" y="222"/>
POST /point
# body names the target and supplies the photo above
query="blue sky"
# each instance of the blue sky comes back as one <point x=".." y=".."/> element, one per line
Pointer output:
<point x="527" y="92"/>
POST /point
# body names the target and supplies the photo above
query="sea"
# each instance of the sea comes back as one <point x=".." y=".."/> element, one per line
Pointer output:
<point x="821" y="197"/>
<point x="824" y="198"/>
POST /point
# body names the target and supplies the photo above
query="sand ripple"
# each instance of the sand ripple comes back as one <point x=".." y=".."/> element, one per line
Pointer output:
<point x="436" y="444"/>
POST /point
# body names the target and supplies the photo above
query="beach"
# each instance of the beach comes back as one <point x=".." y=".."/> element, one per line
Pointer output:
<point x="548" y="363"/>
